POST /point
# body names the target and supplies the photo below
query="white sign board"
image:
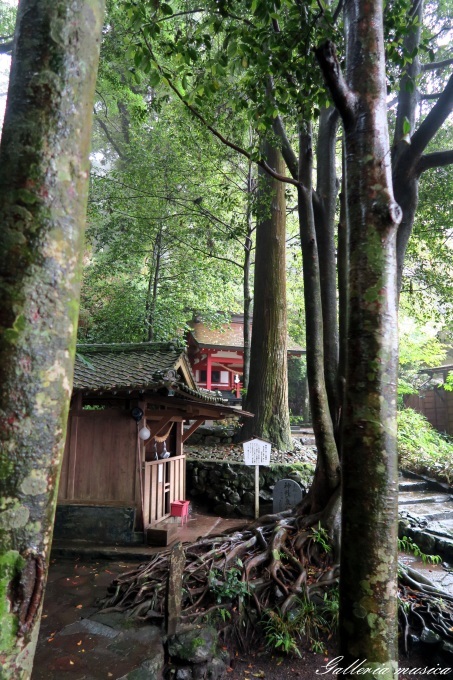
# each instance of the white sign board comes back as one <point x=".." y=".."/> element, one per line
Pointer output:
<point x="257" y="452"/>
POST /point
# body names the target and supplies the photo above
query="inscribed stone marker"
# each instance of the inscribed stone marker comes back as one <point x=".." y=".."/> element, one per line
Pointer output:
<point x="287" y="494"/>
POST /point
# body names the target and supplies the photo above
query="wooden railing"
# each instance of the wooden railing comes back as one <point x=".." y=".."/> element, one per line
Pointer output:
<point x="164" y="482"/>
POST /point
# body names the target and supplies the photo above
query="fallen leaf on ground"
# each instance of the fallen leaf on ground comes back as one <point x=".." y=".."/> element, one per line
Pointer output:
<point x="79" y="606"/>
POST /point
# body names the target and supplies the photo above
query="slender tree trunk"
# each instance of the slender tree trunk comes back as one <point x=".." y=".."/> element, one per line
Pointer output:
<point x="153" y="284"/>
<point x="405" y="181"/>
<point x="324" y="203"/>
<point x="368" y="587"/>
<point x="327" y="473"/>
<point x="267" y="395"/>
<point x="246" y="281"/>
<point x="44" y="173"/>
<point x="343" y="268"/>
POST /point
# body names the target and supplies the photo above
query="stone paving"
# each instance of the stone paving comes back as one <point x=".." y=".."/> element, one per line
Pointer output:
<point x="72" y="646"/>
<point x="426" y="515"/>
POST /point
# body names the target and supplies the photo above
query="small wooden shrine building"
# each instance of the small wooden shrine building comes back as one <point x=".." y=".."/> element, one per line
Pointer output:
<point x="114" y="484"/>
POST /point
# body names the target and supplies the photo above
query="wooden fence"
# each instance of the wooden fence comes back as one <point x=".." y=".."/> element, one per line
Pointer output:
<point x="436" y="405"/>
<point x="164" y="482"/>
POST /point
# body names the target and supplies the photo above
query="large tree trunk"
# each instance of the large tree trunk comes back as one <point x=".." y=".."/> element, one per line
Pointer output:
<point x="368" y="585"/>
<point x="43" y="191"/>
<point x="267" y="394"/>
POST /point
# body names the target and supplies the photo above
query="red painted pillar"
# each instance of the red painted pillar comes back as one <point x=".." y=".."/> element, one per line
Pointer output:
<point x="208" y="371"/>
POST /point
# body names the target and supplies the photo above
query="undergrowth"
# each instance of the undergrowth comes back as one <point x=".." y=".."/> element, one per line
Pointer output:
<point x="422" y="449"/>
<point x="307" y="619"/>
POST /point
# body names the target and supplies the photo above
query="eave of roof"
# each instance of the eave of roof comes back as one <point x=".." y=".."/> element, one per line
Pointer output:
<point x="137" y="367"/>
<point x="229" y="337"/>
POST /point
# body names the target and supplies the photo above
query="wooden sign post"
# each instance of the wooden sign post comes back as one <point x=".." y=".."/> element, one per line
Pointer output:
<point x="257" y="452"/>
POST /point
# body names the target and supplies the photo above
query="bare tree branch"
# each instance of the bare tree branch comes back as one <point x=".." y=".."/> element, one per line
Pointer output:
<point x="344" y="99"/>
<point x="179" y="14"/>
<point x="338" y="11"/>
<point x="109" y="136"/>
<point x="433" y="95"/>
<point x="437" y="159"/>
<point x="434" y="65"/>
<point x="433" y="121"/>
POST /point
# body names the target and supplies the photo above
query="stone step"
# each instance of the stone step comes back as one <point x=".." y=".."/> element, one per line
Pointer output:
<point x="423" y="497"/>
<point x="429" y="511"/>
<point x="412" y="485"/>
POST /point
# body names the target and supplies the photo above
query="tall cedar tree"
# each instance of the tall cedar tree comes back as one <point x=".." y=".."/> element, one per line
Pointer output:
<point x="267" y="393"/>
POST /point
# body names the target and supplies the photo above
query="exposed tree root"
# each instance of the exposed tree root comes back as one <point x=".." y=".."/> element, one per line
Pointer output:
<point x="272" y="563"/>
<point x="424" y="609"/>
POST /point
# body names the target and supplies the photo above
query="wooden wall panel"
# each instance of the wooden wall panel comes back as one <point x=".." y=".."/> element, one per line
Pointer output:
<point x="63" y="484"/>
<point x="105" y="462"/>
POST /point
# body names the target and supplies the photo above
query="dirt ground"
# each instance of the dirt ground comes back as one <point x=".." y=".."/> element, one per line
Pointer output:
<point x="77" y="654"/>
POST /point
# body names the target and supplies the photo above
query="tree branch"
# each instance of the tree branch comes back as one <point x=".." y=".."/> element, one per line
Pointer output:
<point x="262" y="164"/>
<point x="344" y="99"/>
<point x="109" y="136"/>
<point x="437" y="159"/>
<point x="433" y="121"/>
<point x="426" y="97"/>
<point x="434" y="65"/>
<point x="337" y="11"/>
<point x="180" y="14"/>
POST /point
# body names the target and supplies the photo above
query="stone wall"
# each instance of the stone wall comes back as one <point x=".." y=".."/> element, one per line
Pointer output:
<point x="228" y="489"/>
<point x="214" y="434"/>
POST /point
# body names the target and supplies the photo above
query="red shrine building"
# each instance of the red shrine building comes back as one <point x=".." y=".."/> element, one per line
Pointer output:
<point x="216" y="355"/>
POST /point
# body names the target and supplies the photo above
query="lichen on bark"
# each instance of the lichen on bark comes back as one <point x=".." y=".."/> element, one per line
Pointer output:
<point x="43" y="192"/>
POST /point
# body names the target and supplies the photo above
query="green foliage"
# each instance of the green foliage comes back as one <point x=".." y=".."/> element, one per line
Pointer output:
<point x="279" y="635"/>
<point x="7" y="19"/>
<point x="428" y="282"/>
<point x="228" y="585"/>
<point x="321" y="537"/>
<point x="407" y="545"/>
<point x="284" y="631"/>
<point x="423" y="449"/>
<point x="419" y="346"/>
<point x="448" y="384"/>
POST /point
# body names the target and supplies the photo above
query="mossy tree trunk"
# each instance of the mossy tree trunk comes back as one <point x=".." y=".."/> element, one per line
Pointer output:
<point x="43" y="191"/>
<point x="267" y="393"/>
<point x="368" y="584"/>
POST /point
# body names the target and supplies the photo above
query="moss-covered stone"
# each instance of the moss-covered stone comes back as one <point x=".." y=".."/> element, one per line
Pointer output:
<point x="194" y="645"/>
